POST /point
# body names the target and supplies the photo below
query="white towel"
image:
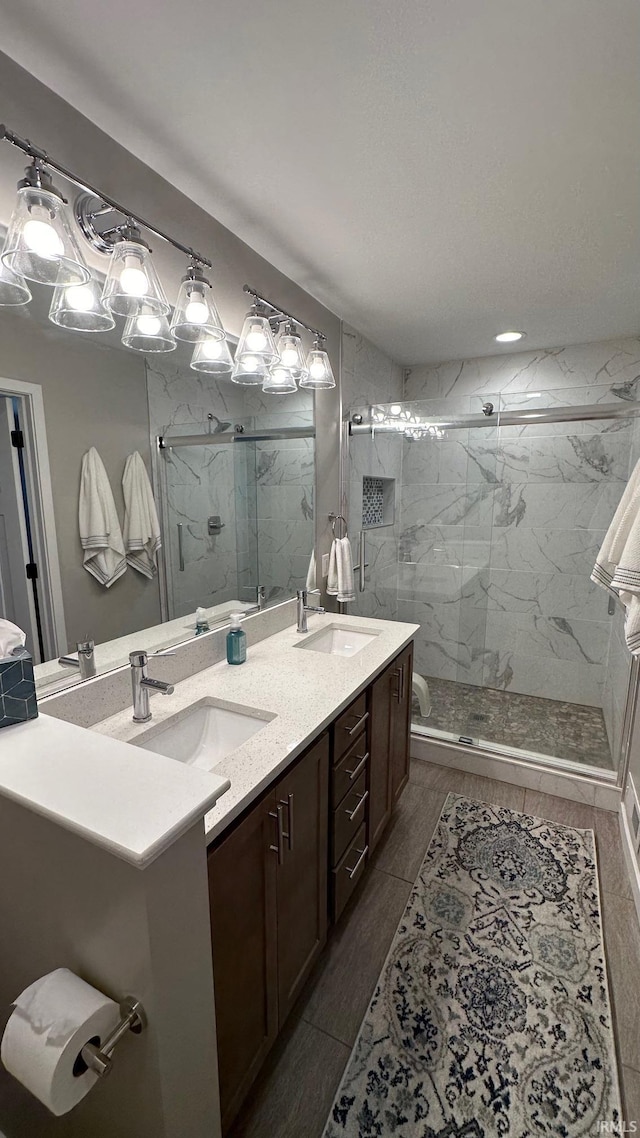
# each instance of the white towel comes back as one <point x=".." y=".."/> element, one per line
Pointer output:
<point x="340" y="577"/>
<point x="141" y="525"/>
<point x="311" y="572"/>
<point x="100" y="532"/>
<point x="618" y="533"/>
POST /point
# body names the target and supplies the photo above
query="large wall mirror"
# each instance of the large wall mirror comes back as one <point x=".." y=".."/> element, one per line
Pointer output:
<point x="233" y="481"/>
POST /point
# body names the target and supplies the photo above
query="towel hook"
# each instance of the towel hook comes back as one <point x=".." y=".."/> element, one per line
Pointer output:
<point x="333" y="518"/>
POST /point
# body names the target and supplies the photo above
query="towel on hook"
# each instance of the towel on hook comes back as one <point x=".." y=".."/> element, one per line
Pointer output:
<point x="311" y="572"/>
<point x="618" y="534"/>
<point x="100" y="532"/>
<point x="141" y="526"/>
<point x="340" y="578"/>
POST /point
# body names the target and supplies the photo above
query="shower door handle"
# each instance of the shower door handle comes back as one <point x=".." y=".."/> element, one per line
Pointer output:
<point x="362" y="566"/>
<point x="180" y="549"/>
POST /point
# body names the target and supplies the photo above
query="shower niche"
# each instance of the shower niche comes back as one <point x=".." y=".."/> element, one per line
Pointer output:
<point x="378" y="502"/>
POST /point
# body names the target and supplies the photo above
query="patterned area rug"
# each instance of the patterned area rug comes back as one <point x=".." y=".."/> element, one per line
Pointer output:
<point x="491" y="1015"/>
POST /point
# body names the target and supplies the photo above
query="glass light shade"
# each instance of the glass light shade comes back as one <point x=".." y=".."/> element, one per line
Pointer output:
<point x="319" y="372"/>
<point x="291" y="353"/>
<point x="196" y="317"/>
<point x="80" y="308"/>
<point x="249" y="370"/>
<point x="13" y="289"/>
<point x="213" y="357"/>
<point x="40" y="244"/>
<point x="256" y="339"/>
<point x="279" y="381"/>
<point x="132" y="284"/>
<point x="148" y="331"/>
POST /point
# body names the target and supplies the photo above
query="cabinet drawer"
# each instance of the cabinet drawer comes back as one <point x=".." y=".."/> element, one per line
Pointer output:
<point x="348" y="873"/>
<point x="347" y="728"/>
<point x="348" y="817"/>
<point x="348" y="770"/>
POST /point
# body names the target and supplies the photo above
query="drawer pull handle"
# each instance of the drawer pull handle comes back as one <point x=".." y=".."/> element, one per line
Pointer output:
<point x="288" y="833"/>
<point x="279" y="849"/>
<point x="352" y="813"/>
<point x="360" y="767"/>
<point x="352" y="872"/>
<point x="361" y="722"/>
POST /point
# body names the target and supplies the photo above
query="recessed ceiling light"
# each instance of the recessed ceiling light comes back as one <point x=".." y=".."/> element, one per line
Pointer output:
<point x="509" y="337"/>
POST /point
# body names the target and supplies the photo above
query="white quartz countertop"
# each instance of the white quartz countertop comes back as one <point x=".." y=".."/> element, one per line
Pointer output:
<point x="133" y="805"/>
<point x="303" y="689"/>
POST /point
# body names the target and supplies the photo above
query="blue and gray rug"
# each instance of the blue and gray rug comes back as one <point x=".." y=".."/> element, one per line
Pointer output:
<point x="491" y="1015"/>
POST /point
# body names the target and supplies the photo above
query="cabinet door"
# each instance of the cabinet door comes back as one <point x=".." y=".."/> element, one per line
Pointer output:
<point x="302" y="796"/>
<point x="400" y="727"/>
<point x="380" y="802"/>
<point x="242" y="893"/>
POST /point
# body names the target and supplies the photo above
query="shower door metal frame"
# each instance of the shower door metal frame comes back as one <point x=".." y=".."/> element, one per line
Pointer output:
<point x="166" y="443"/>
<point x="401" y="427"/>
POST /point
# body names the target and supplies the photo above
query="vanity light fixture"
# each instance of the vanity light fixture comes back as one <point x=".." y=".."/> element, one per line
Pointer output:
<point x="80" y="308"/>
<point x="40" y="243"/>
<point x="148" y="331"/>
<point x="320" y="373"/>
<point x="213" y="357"/>
<point x="280" y="380"/>
<point x="132" y="284"/>
<point x="249" y="370"/>
<point x="196" y="317"/>
<point x="509" y="337"/>
<point x="256" y="337"/>
<point x="13" y="289"/>
<point x="290" y="351"/>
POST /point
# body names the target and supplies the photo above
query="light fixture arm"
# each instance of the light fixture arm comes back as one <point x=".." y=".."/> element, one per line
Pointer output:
<point x="276" y="309"/>
<point x="109" y="203"/>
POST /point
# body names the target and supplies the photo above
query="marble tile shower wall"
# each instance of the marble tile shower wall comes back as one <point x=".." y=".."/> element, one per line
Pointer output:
<point x="499" y="530"/>
<point x="252" y="487"/>
<point x="369" y="377"/>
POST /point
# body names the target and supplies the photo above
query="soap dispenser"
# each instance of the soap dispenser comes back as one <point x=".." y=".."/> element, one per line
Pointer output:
<point x="236" y="641"/>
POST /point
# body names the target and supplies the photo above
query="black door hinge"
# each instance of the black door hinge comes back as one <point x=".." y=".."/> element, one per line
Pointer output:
<point x="32" y="571"/>
<point x="17" y="440"/>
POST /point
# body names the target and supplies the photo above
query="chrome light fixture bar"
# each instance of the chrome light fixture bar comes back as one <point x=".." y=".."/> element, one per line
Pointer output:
<point x="316" y="373"/>
<point x="107" y="202"/>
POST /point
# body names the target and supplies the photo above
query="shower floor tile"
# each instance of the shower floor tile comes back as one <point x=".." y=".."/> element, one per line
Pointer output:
<point x="562" y="730"/>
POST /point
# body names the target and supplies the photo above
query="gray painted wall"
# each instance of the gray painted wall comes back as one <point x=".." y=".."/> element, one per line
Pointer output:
<point x="35" y="112"/>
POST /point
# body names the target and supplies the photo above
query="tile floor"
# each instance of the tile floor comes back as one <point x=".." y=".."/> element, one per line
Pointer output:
<point x="294" y="1092"/>
<point x="565" y="730"/>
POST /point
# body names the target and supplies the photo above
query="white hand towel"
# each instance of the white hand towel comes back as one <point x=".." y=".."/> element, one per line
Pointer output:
<point x="311" y="572"/>
<point x="141" y="525"/>
<point x="344" y="561"/>
<point x="100" y="532"/>
<point x="618" y="533"/>
<point x="332" y="575"/>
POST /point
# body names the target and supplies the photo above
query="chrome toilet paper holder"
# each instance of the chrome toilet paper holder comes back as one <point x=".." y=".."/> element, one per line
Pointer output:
<point x="99" y="1059"/>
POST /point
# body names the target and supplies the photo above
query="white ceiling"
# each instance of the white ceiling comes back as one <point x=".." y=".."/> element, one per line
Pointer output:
<point x="434" y="171"/>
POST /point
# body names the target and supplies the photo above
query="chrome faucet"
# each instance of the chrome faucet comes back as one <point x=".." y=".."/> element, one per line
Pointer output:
<point x="86" y="661"/>
<point x="141" y="684"/>
<point x="304" y="608"/>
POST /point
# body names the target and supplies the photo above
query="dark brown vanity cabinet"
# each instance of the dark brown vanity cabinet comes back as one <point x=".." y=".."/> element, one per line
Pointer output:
<point x="293" y="860"/>
<point x="268" y="897"/>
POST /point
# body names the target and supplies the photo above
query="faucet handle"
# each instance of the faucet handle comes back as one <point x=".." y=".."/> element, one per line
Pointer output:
<point x="163" y="652"/>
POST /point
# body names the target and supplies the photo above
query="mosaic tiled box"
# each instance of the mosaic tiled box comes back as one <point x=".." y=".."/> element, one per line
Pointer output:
<point x="17" y="689"/>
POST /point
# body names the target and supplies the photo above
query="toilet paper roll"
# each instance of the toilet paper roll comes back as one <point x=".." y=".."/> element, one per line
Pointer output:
<point x="51" y="1022"/>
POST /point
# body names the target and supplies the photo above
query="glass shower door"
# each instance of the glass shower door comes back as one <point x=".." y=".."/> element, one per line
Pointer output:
<point x="493" y="537"/>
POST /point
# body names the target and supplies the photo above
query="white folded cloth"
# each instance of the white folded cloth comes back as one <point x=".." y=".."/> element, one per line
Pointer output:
<point x="141" y="526"/>
<point x="617" y="567"/>
<point x="340" y="577"/>
<point x="100" y="532"/>
<point x="311" y="572"/>
<point x="618" y="533"/>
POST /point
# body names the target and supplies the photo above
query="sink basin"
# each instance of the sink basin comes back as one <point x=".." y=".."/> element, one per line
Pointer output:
<point x="338" y="640"/>
<point x="204" y="734"/>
